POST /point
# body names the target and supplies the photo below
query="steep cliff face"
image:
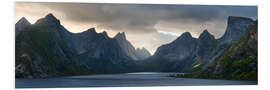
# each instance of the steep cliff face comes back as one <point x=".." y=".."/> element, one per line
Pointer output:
<point x="239" y="62"/>
<point x="85" y="41"/>
<point x="192" y="54"/>
<point x="181" y="48"/>
<point x="129" y="49"/>
<point x="236" y="28"/>
<point x="126" y="46"/>
<point x="206" y="43"/>
<point x="176" y="56"/>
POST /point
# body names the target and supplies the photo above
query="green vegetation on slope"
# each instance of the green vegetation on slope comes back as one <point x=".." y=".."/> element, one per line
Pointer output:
<point x="237" y="63"/>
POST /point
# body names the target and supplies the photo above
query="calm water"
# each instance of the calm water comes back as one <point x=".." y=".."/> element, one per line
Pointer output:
<point x="122" y="80"/>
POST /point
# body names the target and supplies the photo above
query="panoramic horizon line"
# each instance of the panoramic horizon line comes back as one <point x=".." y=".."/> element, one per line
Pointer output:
<point x="104" y="31"/>
<point x="113" y="37"/>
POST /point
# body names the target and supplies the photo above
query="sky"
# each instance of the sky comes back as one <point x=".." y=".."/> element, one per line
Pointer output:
<point x="145" y="25"/>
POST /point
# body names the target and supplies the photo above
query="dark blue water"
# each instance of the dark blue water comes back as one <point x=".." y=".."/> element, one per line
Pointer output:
<point x="122" y="80"/>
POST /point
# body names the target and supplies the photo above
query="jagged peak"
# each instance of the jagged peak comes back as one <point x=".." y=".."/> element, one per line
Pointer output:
<point x="91" y="30"/>
<point x="143" y="50"/>
<point x="24" y="21"/>
<point x="186" y="34"/>
<point x="104" y="33"/>
<point x="205" y="33"/>
<point x="23" y="18"/>
<point x="49" y="18"/>
<point x="120" y="35"/>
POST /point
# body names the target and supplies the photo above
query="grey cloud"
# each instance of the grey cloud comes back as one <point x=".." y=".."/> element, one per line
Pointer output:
<point x="141" y="21"/>
<point x="142" y="18"/>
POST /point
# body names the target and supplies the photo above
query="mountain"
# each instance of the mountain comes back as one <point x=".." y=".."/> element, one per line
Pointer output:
<point x="41" y="50"/>
<point x="236" y="28"/>
<point x="175" y="56"/>
<point x="206" y="44"/>
<point x="82" y="42"/>
<point x="47" y="49"/>
<point x="20" y="25"/>
<point x="143" y="53"/>
<point x="239" y="62"/>
<point x="188" y="54"/>
<point x="179" y="49"/>
<point x="129" y="48"/>
<point x="98" y="45"/>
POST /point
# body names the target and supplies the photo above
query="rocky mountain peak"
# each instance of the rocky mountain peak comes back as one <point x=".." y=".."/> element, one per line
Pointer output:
<point x="236" y="28"/>
<point x="143" y="53"/>
<point x="120" y="36"/>
<point x="205" y="35"/>
<point x="50" y="19"/>
<point x="104" y="34"/>
<point x="50" y="16"/>
<point x="20" y="25"/>
<point x="91" y="30"/>
<point x="24" y="21"/>
<point x="184" y="36"/>
<point x="205" y="32"/>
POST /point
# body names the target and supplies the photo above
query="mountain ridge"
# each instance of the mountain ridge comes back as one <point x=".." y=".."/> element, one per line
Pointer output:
<point x="202" y="51"/>
<point x="239" y="62"/>
<point x="47" y="49"/>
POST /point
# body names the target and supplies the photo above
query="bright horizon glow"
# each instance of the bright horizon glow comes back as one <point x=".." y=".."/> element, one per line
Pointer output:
<point x="169" y="33"/>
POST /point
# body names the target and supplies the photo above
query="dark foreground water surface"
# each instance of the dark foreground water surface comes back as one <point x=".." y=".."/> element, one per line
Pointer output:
<point x="122" y="80"/>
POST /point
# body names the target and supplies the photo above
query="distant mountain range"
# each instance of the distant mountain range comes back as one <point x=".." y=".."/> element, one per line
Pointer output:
<point x="47" y="49"/>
